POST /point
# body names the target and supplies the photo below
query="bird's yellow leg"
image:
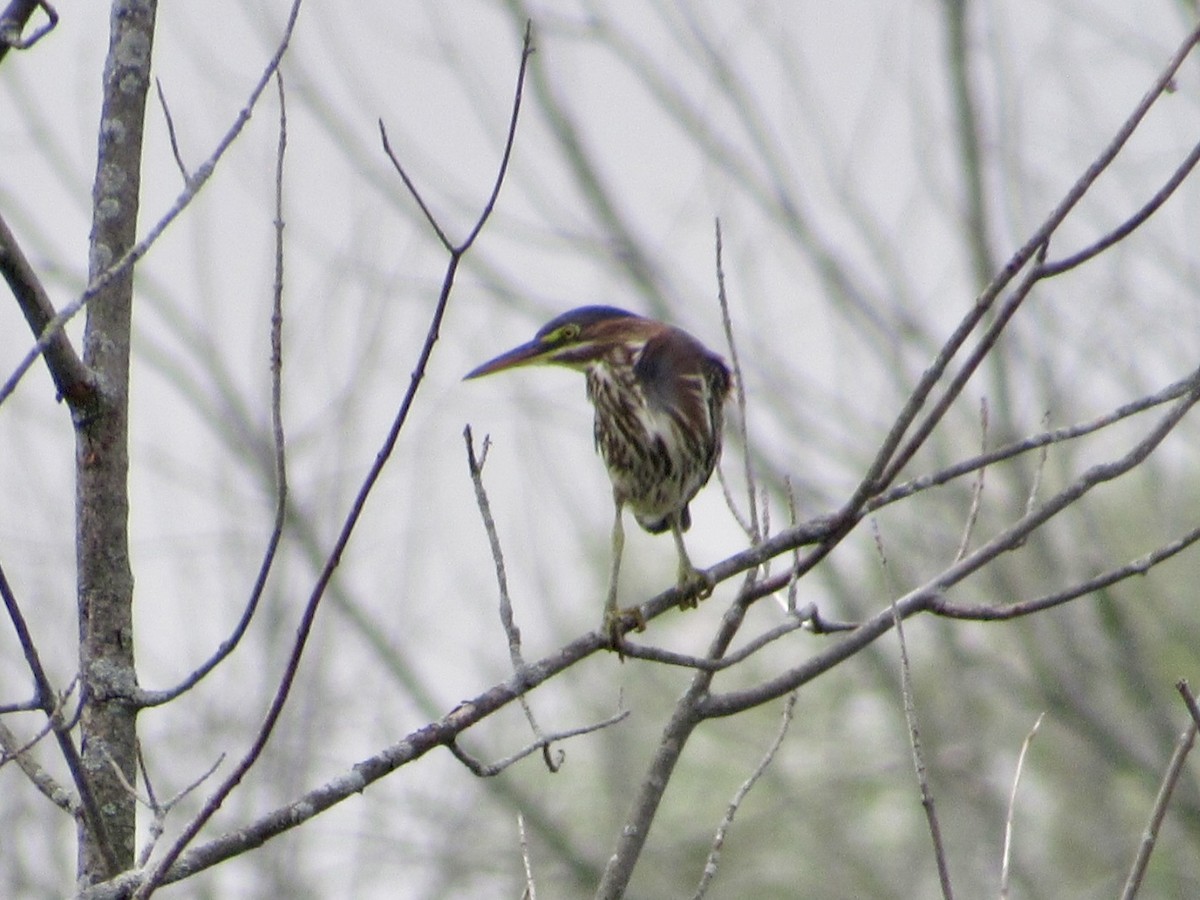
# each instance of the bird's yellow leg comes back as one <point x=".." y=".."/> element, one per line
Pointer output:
<point x="614" y="619"/>
<point x="695" y="584"/>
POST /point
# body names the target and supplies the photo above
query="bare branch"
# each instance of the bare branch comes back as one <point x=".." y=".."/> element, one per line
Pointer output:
<point x="1035" y="487"/>
<point x="411" y="748"/>
<point x="47" y="696"/>
<point x="1189" y="700"/>
<point x="927" y="596"/>
<point x="157" y="698"/>
<point x="162" y="810"/>
<point x="122" y="265"/>
<point x="543" y="742"/>
<point x="14" y="750"/>
<point x="1131" y="224"/>
<point x="530" y="887"/>
<point x="14" y="19"/>
<point x="794" y="622"/>
<point x="158" y="875"/>
<point x="1183" y="747"/>
<point x="1006" y="856"/>
<point x="977" y="489"/>
<point x="412" y="189"/>
<point x="511" y="630"/>
<point x="888" y="460"/>
<point x="162" y="100"/>
<point x="457" y="250"/>
<point x="718" y="842"/>
<point x="71" y="377"/>
<point x="1038" y="441"/>
<point x="739" y="386"/>
<point x="914" y="732"/>
<point x="999" y="612"/>
<point x="1001" y="316"/>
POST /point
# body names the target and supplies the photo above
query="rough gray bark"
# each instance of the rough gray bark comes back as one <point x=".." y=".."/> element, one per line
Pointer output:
<point x="105" y="580"/>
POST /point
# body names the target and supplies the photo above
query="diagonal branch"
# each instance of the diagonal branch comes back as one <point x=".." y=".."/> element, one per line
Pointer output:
<point x="304" y="628"/>
<point x="887" y="464"/>
<point x="90" y="808"/>
<point x="14" y="19"/>
<point x="1183" y="746"/>
<point x="71" y="377"/>
<point x="103" y="279"/>
<point x="926" y="597"/>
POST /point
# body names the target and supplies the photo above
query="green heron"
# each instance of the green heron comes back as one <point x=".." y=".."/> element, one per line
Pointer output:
<point x="658" y="395"/>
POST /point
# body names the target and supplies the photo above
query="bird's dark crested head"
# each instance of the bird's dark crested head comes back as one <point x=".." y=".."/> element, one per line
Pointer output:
<point x="582" y="318"/>
<point x="574" y="339"/>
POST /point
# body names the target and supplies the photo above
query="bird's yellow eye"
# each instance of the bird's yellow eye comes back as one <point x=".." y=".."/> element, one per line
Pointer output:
<point x="567" y="332"/>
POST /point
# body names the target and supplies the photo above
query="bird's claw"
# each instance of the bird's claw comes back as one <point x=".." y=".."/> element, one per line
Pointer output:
<point x="695" y="586"/>
<point x="619" y="621"/>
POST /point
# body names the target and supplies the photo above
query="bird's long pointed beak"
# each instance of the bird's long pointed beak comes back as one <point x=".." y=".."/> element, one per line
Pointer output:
<point x="527" y="353"/>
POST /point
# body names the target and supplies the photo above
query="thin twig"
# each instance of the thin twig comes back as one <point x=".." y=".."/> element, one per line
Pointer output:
<point x="119" y="267"/>
<point x="511" y="631"/>
<point x="914" y="733"/>
<point x="929" y="596"/>
<point x="727" y="492"/>
<point x="977" y="489"/>
<point x="412" y="189"/>
<point x="530" y="892"/>
<point x="489" y="770"/>
<point x="1130" y="224"/>
<point x="161" y="810"/>
<point x="794" y="581"/>
<point x="1183" y="747"/>
<point x="1189" y="700"/>
<point x="1039" y="470"/>
<point x="718" y="842"/>
<point x="1006" y="856"/>
<point x="162" y="869"/>
<point x="39" y="777"/>
<point x="162" y="100"/>
<point x="92" y="817"/>
<point x="739" y="387"/>
<point x="1041" y="441"/>
<point x="998" y="612"/>
<point x="794" y="622"/>
<point x="157" y="698"/>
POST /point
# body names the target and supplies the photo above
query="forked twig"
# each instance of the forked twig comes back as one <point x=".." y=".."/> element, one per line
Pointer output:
<point x="892" y="456"/>
<point x="161" y="870"/>
<point x="489" y="770"/>
<point x="511" y="631"/>
<point x="50" y="333"/>
<point x="279" y="444"/>
<point x="92" y="817"/>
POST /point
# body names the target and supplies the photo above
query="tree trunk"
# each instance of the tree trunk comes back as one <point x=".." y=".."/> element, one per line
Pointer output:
<point x="102" y="457"/>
